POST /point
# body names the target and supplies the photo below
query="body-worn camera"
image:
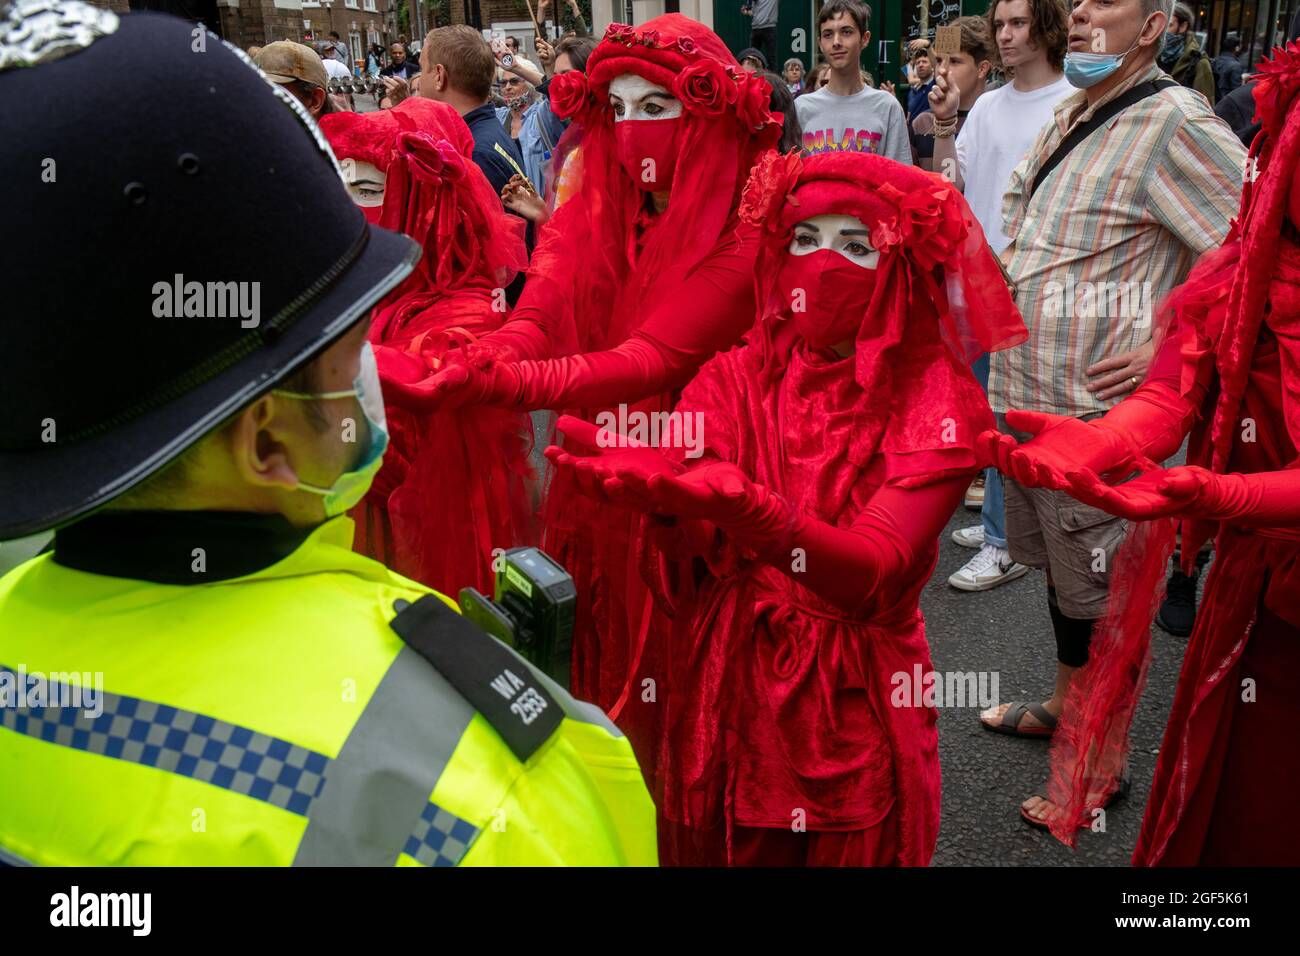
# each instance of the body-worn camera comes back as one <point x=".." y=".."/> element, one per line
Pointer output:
<point x="532" y="610"/>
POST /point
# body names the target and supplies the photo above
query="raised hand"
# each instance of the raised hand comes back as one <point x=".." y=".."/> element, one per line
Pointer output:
<point x="545" y="52"/>
<point x="944" y="96"/>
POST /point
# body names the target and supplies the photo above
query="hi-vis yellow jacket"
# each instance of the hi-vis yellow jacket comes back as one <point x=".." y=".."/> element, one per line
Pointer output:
<point x="278" y="718"/>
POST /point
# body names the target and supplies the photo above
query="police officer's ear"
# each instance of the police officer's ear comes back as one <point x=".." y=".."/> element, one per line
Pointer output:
<point x="265" y="440"/>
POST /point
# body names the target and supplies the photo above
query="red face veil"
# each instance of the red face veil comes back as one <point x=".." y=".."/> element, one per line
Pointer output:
<point x="434" y="193"/>
<point x="725" y="122"/>
<point x="935" y="301"/>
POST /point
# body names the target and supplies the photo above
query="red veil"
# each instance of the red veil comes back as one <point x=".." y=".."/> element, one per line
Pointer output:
<point x="935" y="264"/>
<point x="939" y="300"/>
<point x="603" y="262"/>
<point x="452" y="487"/>
<point x="1224" y="302"/>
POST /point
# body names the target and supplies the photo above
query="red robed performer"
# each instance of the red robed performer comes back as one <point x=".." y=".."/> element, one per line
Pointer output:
<point x="837" y="441"/>
<point x="454" y="483"/>
<point x="1228" y="371"/>
<point x="645" y="273"/>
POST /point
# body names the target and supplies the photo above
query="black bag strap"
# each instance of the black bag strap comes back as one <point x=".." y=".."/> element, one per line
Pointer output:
<point x="1099" y="118"/>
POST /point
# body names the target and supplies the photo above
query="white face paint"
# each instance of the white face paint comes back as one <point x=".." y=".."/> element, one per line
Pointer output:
<point x="842" y="234"/>
<point x="365" y="182"/>
<point x="635" y="97"/>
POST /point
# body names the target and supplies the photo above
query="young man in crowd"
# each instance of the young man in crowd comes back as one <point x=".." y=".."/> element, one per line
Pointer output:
<point x="1031" y="37"/>
<point x="967" y="71"/>
<point x="762" y="29"/>
<point x="1182" y="56"/>
<point x="846" y="113"/>
<point x="918" y="97"/>
<point x="1130" y="207"/>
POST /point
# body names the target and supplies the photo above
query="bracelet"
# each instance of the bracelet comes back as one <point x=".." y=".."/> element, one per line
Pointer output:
<point x="944" y="128"/>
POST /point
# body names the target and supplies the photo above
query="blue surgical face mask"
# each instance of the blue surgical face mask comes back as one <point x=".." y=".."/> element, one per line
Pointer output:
<point x="1083" y="70"/>
<point x="351" y="486"/>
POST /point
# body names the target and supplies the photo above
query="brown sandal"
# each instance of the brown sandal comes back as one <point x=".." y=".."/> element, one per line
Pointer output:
<point x="1010" y="723"/>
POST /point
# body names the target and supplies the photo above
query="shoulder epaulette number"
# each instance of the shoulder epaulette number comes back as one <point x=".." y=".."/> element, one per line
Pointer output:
<point x="496" y="681"/>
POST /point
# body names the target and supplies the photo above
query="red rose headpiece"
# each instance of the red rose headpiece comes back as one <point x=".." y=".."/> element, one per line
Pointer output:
<point x="677" y="53"/>
<point x="628" y="256"/>
<point x="919" y="214"/>
<point x="372" y="137"/>
<point x="434" y="193"/>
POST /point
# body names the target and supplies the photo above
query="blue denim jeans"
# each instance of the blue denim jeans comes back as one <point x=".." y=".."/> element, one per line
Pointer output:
<point x="991" y="515"/>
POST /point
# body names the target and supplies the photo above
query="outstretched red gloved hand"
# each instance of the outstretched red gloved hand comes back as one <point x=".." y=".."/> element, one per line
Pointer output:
<point x="853" y="568"/>
<point x="1263" y="498"/>
<point x="1149" y="424"/>
<point x="619" y="460"/>
<point x="408" y="381"/>
<point x="1061" y="444"/>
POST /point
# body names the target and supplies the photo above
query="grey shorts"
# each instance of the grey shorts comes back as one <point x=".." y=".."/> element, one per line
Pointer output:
<point x="1076" y="543"/>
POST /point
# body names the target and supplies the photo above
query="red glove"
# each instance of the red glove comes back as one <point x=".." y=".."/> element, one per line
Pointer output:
<point x="855" y="569"/>
<point x="683" y="327"/>
<point x="1263" y="499"/>
<point x="461" y="378"/>
<point x="1149" y="424"/>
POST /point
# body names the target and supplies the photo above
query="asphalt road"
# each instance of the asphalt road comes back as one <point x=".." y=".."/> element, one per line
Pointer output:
<point x="987" y="775"/>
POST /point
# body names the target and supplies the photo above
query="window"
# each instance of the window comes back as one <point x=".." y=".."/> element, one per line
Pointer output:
<point x="350" y="4"/>
<point x="354" y="41"/>
<point x="370" y="5"/>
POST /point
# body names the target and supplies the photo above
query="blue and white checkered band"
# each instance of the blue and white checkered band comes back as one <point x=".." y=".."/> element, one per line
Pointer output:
<point x="206" y="749"/>
<point x="291" y="101"/>
<point x="38" y="31"/>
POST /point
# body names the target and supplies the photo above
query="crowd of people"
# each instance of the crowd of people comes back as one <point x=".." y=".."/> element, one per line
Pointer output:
<point x="1018" y="289"/>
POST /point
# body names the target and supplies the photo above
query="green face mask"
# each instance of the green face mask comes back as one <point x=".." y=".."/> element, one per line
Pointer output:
<point x="351" y="486"/>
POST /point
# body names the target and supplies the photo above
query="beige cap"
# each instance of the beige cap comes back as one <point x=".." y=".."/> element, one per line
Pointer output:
<point x="285" y="61"/>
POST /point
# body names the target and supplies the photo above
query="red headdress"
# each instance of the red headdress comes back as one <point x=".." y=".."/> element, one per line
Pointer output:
<point x="725" y="126"/>
<point x="435" y="194"/>
<point x="939" y="300"/>
<point x="1225" y="299"/>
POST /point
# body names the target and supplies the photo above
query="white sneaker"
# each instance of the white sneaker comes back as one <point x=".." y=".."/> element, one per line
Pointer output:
<point x="989" y="568"/>
<point x="972" y="537"/>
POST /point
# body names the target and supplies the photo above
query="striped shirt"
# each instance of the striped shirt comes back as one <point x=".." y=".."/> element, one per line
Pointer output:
<point x="1114" y="227"/>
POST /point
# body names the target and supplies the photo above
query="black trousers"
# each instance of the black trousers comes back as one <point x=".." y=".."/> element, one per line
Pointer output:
<point x="764" y="40"/>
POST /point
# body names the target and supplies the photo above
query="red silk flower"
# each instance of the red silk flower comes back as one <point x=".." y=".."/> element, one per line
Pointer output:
<point x="754" y="97"/>
<point x="704" y="88"/>
<point x="929" y="224"/>
<point x="428" y="160"/>
<point x="620" y="33"/>
<point x="1276" y="82"/>
<point x="570" y="94"/>
<point x="772" y="180"/>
